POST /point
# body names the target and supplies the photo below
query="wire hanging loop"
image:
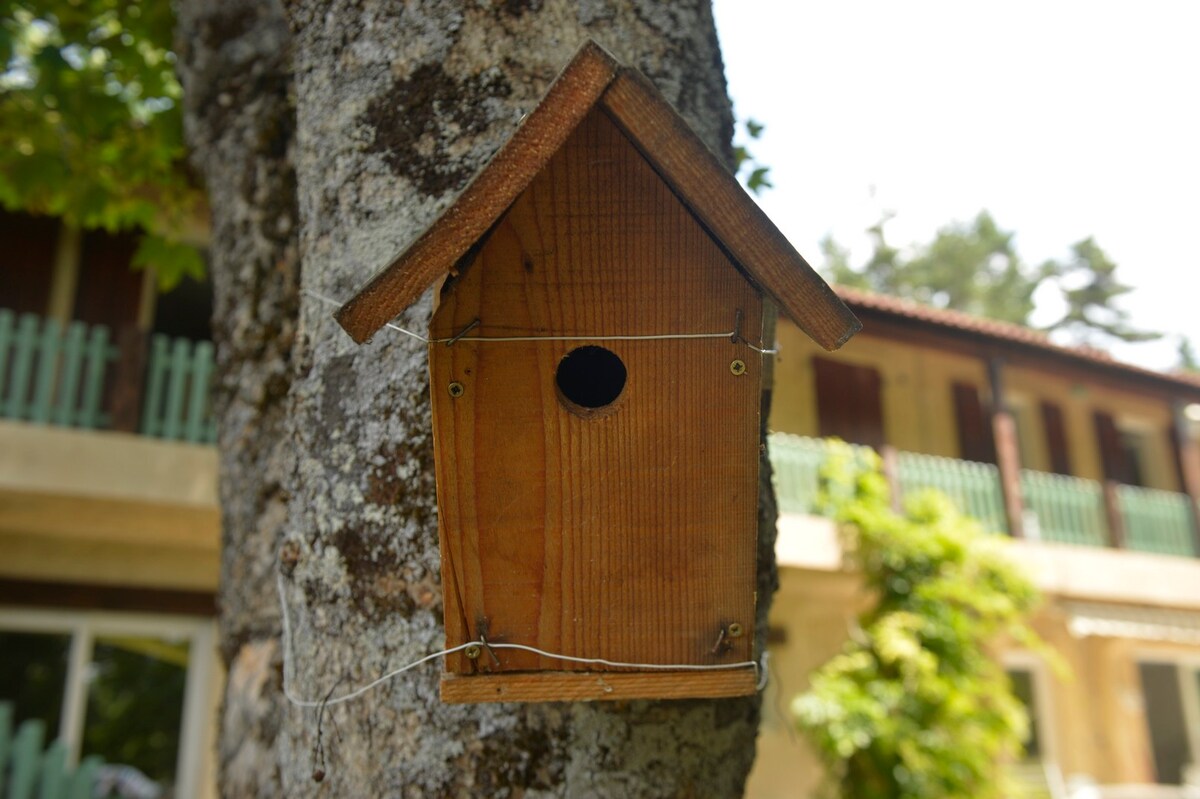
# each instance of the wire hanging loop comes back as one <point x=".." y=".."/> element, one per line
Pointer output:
<point x="734" y="335"/>
<point x="482" y="642"/>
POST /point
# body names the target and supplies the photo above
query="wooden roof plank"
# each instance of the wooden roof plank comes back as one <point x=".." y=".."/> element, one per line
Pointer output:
<point x="402" y="282"/>
<point x="722" y="205"/>
<point x="677" y="154"/>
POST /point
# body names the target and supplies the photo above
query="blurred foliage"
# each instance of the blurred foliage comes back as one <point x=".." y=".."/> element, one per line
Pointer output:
<point x="971" y="267"/>
<point x="754" y="176"/>
<point x="1188" y="361"/>
<point x="974" y="267"/>
<point x="135" y="707"/>
<point x="914" y="707"/>
<point x="1089" y="284"/>
<point x="33" y="671"/>
<point x="90" y="122"/>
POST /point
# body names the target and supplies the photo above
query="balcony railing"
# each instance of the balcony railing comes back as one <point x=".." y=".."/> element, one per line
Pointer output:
<point x="81" y="377"/>
<point x="1156" y="521"/>
<point x="1065" y="510"/>
<point x="973" y="487"/>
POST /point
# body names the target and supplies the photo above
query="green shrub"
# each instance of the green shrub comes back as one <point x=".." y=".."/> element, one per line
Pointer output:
<point x="915" y="706"/>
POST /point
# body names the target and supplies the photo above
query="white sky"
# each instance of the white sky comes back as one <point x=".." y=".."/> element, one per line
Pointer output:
<point x="1064" y="119"/>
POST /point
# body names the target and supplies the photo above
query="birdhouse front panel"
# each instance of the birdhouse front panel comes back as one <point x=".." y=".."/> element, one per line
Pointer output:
<point x="598" y="495"/>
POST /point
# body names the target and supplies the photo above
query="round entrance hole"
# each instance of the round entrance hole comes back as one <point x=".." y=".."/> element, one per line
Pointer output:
<point x="590" y="377"/>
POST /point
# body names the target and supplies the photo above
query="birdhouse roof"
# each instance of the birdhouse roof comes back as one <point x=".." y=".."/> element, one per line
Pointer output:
<point x="595" y="79"/>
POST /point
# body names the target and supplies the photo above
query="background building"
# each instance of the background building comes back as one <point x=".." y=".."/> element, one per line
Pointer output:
<point x="109" y="523"/>
<point x="1091" y="465"/>
<point x="109" y="520"/>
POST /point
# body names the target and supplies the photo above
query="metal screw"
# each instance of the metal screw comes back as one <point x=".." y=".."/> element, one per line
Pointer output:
<point x="738" y="367"/>
<point x="472" y="652"/>
<point x="455" y="389"/>
<point x="735" y="630"/>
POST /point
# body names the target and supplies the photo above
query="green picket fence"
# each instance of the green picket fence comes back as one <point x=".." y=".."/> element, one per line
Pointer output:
<point x="973" y="487"/>
<point x="1068" y="510"/>
<point x="31" y="770"/>
<point x="48" y="376"/>
<point x="177" y="404"/>
<point x="60" y="377"/>
<point x="1156" y="521"/>
<point x="796" y="465"/>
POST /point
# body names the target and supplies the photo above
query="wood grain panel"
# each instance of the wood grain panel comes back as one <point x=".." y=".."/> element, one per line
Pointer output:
<point x="627" y="533"/>
<point x="721" y="204"/>
<point x="592" y="686"/>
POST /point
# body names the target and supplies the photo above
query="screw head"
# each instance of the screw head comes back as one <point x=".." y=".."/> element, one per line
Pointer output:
<point x="735" y="630"/>
<point x="738" y="367"/>
<point x="456" y="389"/>
<point x="472" y="652"/>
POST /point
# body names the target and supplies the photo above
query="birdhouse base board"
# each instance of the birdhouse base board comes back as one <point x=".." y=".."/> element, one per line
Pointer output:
<point x="577" y="686"/>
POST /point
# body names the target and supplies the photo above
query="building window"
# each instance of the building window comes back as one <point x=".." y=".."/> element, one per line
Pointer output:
<point x="33" y="671"/>
<point x="976" y="441"/>
<point x="1163" y="699"/>
<point x="1024" y="688"/>
<point x="1037" y="774"/>
<point x="131" y="688"/>
<point x="1122" y="450"/>
<point x="849" y="402"/>
<point x="1057" y="445"/>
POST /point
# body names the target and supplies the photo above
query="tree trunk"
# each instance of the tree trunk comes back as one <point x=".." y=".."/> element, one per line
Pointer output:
<point x="396" y="107"/>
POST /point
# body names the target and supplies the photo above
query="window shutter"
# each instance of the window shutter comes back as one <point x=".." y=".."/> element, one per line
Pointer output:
<point x="1056" y="438"/>
<point x="976" y="441"/>
<point x="1112" y="454"/>
<point x="849" y="403"/>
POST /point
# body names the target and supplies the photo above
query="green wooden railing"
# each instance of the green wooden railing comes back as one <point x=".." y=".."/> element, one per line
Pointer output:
<point x="1156" y="521"/>
<point x="1068" y="510"/>
<point x="65" y="377"/>
<point x="28" y="769"/>
<point x="51" y="377"/>
<point x="1065" y="510"/>
<point x="178" y="380"/>
<point x="973" y="487"/>
<point x="796" y="463"/>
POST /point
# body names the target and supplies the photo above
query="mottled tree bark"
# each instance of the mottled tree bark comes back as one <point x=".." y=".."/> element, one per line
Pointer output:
<point x="235" y="65"/>
<point x="396" y="106"/>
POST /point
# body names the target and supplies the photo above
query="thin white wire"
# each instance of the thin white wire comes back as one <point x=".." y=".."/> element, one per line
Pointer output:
<point x="655" y="337"/>
<point x="764" y="671"/>
<point x="745" y="664"/>
<point x="288" y="657"/>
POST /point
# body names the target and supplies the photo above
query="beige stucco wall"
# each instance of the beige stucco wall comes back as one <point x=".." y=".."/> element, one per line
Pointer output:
<point x="1150" y="417"/>
<point x="1093" y="721"/>
<point x="109" y="508"/>
<point x="918" y="408"/>
<point x="916" y="417"/>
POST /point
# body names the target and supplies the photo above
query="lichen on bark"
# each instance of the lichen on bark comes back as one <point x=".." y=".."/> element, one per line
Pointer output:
<point x="383" y="110"/>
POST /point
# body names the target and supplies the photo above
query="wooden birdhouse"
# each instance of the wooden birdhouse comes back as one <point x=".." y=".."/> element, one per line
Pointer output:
<point x="595" y="387"/>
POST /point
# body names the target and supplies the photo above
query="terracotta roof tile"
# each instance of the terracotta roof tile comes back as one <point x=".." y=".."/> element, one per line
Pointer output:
<point x="860" y="300"/>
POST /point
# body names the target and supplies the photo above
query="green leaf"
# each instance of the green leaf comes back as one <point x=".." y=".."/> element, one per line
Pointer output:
<point x="758" y="181"/>
<point x="90" y="129"/>
<point x="171" y="260"/>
